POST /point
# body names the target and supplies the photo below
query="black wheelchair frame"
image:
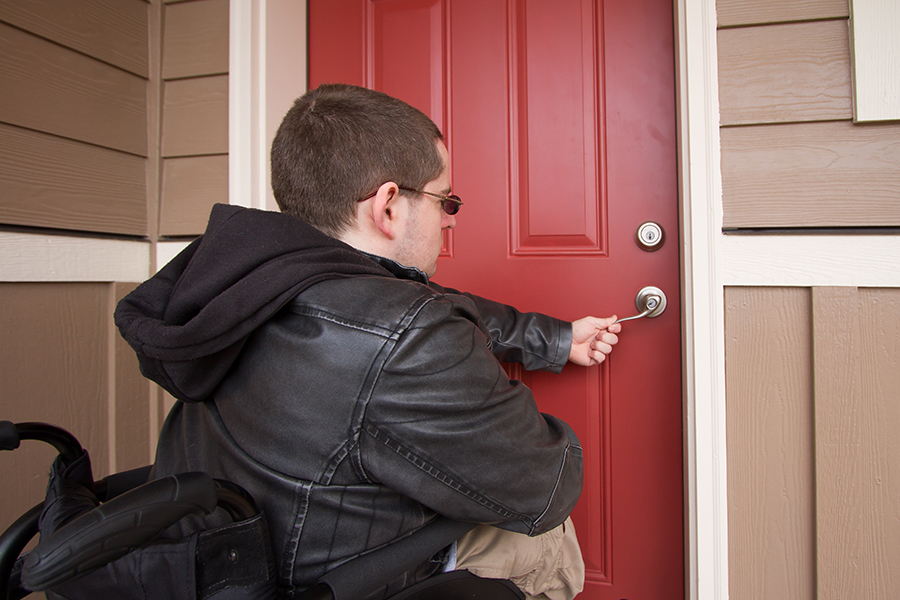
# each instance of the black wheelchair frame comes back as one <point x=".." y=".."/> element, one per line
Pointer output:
<point x="126" y="513"/>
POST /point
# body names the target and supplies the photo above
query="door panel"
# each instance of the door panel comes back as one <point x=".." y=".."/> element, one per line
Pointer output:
<point x="560" y="121"/>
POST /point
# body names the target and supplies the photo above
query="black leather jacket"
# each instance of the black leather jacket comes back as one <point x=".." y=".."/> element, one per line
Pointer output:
<point x="369" y="403"/>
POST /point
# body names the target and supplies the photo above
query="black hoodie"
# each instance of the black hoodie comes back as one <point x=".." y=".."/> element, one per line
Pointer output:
<point x="188" y="323"/>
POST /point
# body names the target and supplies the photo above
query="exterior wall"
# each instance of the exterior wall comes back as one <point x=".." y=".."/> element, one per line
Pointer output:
<point x="812" y="390"/>
<point x="62" y="361"/>
<point x="194" y="141"/>
<point x="113" y="136"/>
<point x="813" y="413"/>
<point x="791" y="155"/>
<point x="73" y="115"/>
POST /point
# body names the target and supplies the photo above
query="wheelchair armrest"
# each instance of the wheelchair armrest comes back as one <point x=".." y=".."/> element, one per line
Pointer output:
<point x="117" y="484"/>
<point x="113" y="529"/>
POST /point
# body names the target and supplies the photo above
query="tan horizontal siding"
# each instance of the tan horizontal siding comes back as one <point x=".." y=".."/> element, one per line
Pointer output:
<point x="112" y="31"/>
<point x="195" y="41"/>
<point x="194" y="141"/>
<point x="47" y="181"/>
<point x="744" y="12"/>
<point x="195" y="116"/>
<point x="55" y="90"/>
<point x="785" y="73"/>
<point x="190" y="187"/>
<point x="831" y="174"/>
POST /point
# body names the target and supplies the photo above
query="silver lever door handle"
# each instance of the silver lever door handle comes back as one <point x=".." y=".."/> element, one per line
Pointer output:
<point x="651" y="301"/>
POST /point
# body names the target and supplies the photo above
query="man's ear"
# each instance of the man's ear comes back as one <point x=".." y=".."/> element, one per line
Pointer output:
<point x="386" y="209"/>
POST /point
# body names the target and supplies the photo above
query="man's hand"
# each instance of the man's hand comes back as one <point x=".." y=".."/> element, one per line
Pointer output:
<point x="593" y="339"/>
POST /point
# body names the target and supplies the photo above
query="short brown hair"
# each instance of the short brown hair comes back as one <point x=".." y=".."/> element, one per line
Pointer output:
<point x="338" y="143"/>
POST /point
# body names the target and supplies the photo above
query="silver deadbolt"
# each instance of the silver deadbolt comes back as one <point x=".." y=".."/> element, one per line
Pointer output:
<point x="650" y="301"/>
<point x="650" y="236"/>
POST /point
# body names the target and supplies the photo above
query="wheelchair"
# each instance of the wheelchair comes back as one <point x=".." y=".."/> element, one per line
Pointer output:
<point x="102" y="540"/>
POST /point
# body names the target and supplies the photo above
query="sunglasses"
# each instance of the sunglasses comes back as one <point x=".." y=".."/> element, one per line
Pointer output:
<point x="450" y="203"/>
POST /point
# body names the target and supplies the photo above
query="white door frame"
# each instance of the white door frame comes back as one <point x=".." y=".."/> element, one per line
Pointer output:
<point x="259" y="97"/>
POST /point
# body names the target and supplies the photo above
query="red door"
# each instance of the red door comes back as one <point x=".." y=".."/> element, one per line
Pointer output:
<point x="560" y="121"/>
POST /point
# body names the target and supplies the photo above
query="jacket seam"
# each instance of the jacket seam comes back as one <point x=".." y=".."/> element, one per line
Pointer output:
<point x="559" y="475"/>
<point x="444" y="478"/>
<point x="378" y="363"/>
<point x="385" y="332"/>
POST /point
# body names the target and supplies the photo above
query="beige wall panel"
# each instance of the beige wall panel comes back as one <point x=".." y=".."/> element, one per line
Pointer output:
<point x="113" y="31"/>
<point x="59" y="91"/>
<point x="54" y="368"/>
<point x="857" y="419"/>
<point x="195" y="116"/>
<point x="196" y="39"/>
<point x="754" y="12"/>
<point x="771" y="519"/>
<point x="190" y="188"/>
<point x="132" y="396"/>
<point x="784" y="73"/>
<point x="46" y="181"/>
<point x="832" y="174"/>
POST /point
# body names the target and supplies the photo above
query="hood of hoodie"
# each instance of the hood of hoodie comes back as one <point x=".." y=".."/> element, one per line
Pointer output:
<point x="188" y="323"/>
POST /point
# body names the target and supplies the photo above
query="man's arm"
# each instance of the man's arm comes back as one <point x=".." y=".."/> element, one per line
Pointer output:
<point x="540" y="342"/>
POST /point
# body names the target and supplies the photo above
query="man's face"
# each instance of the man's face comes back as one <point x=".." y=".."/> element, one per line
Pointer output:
<point x="423" y="237"/>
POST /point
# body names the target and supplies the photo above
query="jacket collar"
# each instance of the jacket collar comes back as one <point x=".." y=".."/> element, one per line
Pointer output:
<point x="398" y="270"/>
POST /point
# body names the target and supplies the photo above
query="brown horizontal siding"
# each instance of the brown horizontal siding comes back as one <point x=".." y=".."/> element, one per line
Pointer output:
<point x="195" y="41"/>
<point x="744" y="12"/>
<point x="190" y="187"/>
<point x="830" y="174"/>
<point x="48" y="181"/>
<point x="56" y="90"/>
<point x="195" y="116"/>
<point x="785" y="73"/>
<point x="194" y="139"/>
<point x="112" y="31"/>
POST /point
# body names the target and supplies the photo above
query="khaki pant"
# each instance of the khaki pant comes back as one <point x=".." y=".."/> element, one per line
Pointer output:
<point x="544" y="567"/>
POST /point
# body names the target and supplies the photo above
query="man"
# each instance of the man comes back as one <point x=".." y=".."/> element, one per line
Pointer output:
<point x="318" y="366"/>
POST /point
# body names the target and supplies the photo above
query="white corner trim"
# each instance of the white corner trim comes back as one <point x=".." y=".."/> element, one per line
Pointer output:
<point x="26" y="257"/>
<point x="706" y="484"/>
<point x="262" y="86"/>
<point x="166" y="251"/>
<point x="243" y="68"/>
<point x="810" y="260"/>
<point x="875" y="58"/>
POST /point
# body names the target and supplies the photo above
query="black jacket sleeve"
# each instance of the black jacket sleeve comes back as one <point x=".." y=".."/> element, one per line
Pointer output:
<point x="447" y="427"/>
<point x="534" y="340"/>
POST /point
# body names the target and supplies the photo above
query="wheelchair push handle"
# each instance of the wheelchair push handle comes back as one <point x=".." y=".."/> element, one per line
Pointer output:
<point x="115" y="528"/>
<point x="11" y="435"/>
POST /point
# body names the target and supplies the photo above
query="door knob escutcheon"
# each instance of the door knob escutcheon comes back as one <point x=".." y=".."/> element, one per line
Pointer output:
<point x="650" y="301"/>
